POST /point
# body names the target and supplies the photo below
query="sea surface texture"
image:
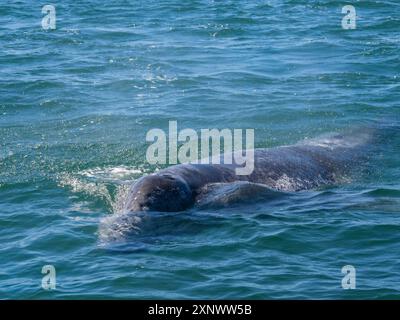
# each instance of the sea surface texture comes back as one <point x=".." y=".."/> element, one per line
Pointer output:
<point x="77" y="101"/>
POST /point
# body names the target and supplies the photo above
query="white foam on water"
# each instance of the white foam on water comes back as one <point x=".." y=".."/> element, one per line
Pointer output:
<point x="79" y="185"/>
<point x="96" y="183"/>
<point x="118" y="174"/>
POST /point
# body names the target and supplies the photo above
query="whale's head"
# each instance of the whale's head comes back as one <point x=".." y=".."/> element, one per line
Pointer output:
<point x="160" y="192"/>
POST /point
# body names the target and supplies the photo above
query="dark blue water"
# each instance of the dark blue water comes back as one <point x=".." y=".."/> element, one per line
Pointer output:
<point x="77" y="101"/>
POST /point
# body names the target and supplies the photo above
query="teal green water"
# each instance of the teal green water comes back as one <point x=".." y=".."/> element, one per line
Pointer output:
<point x="76" y="103"/>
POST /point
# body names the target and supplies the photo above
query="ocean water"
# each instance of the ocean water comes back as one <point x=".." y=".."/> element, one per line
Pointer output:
<point x="76" y="104"/>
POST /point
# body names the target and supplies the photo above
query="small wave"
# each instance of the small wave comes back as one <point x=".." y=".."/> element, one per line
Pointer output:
<point x="140" y="230"/>
<point x="383" y="192"/>
<point x="118" y="226"/>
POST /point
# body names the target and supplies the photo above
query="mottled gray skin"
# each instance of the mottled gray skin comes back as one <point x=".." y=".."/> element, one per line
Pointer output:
<point x="303" y="166"/>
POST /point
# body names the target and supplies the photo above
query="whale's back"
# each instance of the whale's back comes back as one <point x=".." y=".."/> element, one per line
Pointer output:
<point x="311" y="163"/>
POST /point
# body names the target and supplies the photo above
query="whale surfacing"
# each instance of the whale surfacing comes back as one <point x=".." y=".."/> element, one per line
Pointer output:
<point x="306" y="165"/>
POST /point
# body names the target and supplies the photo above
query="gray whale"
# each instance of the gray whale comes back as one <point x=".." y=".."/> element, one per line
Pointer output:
<point x="306" y="165"/>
